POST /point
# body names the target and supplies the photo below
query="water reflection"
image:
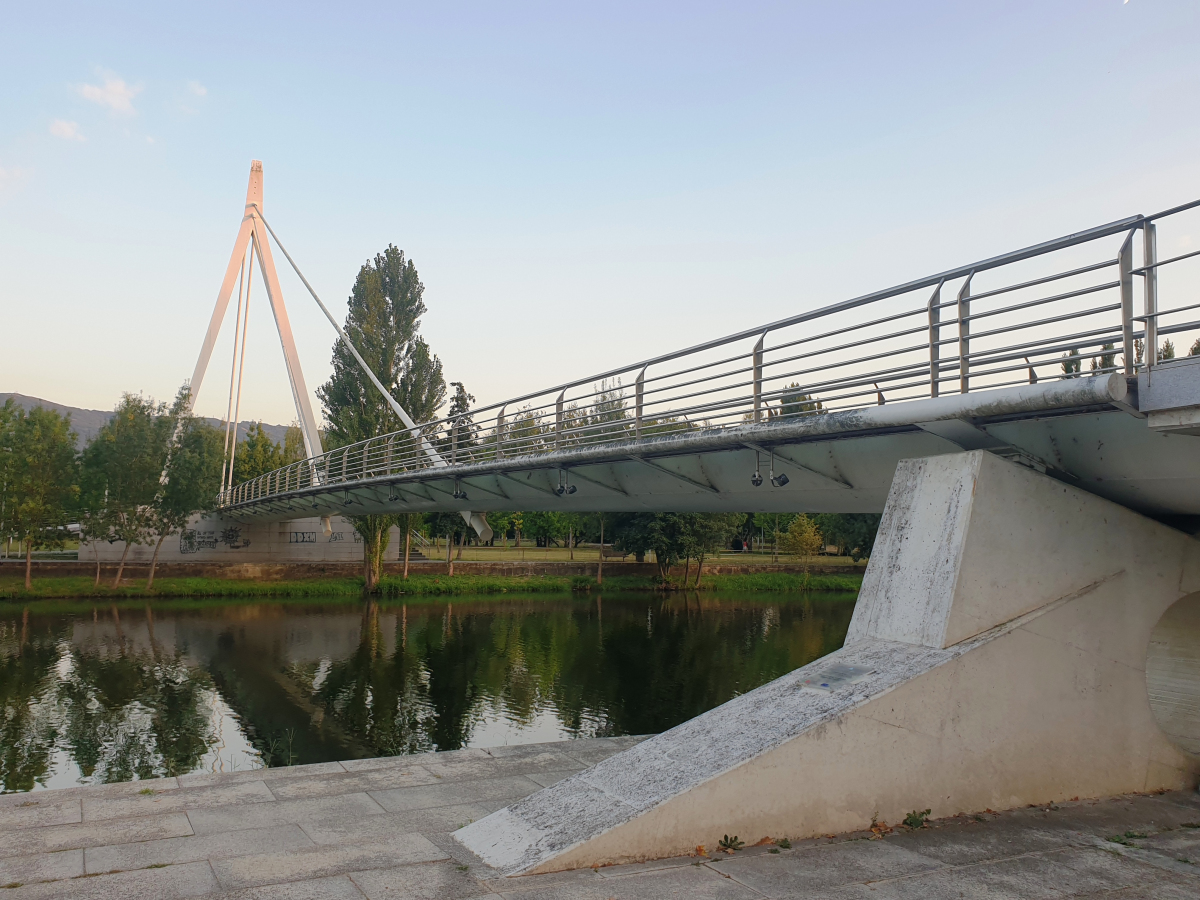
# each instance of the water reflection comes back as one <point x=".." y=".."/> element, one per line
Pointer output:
<point x="111" y="694"/>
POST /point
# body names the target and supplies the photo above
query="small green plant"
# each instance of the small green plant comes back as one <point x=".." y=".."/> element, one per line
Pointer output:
<point x="773" y="850"/>
<point x="464" y="868"/>
<point x="1190" y="825"/>
<point x="1127" y="837"/>
<point x="917" y="819"/>
<point x="147" y="792"/>
<point x="783" y="844"/>
<point x="730" y="844"/>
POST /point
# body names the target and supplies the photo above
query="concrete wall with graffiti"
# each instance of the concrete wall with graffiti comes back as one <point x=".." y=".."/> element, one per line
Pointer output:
<point x="211" y="538"/>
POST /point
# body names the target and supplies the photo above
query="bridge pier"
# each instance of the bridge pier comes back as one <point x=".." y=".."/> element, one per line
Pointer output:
<point x="998" y="656"/>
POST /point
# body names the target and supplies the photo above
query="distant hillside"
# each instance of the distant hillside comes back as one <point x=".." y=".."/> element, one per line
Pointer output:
<point x="87" y="422"/>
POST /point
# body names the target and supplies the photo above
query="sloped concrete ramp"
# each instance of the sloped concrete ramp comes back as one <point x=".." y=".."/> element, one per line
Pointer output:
<point x="996" y="658"/>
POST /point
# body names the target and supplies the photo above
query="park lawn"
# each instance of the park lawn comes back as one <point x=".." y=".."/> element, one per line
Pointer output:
<point x="83" y="587"/>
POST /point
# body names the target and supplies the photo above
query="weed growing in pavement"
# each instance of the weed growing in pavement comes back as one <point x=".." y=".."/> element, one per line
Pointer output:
<point x="730" y="844"/>
<point x="917" y="819"/>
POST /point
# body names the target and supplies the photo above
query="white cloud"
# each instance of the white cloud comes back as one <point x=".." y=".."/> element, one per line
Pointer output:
<point x="197" y="88"/>
<point x="11" y="176"/>
<point x="115" y="94"/>
<point x="68" y="131"/>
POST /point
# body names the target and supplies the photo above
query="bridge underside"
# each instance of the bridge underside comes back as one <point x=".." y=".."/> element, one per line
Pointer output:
<point x="1085" y="433"/>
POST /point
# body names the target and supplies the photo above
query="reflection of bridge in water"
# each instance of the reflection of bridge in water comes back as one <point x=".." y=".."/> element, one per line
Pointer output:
<point x="1024" y="633"/>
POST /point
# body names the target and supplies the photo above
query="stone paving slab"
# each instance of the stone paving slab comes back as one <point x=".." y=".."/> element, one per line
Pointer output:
<point x="382" y="830"/>
<point x="171" y="851"/>
<point x="281" y="812"/>
<point x="93" y="834"/>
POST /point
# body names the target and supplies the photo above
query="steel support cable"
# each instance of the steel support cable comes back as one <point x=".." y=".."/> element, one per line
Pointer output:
<point x="237" y="412"/>
<point x="396" y="407"/>
<point x="226" y="470"/>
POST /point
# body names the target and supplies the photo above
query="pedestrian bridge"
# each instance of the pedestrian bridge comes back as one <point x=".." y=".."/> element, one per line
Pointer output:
<point x="1038" y="355"/>
<point x="1026" y="632"/>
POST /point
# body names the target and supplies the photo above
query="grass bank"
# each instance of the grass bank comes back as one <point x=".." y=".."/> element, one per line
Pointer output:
<point x="56" y="587"/>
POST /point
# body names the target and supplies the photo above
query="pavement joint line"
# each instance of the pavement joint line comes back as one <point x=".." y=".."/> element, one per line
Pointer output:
<point x="1147" y="856"/>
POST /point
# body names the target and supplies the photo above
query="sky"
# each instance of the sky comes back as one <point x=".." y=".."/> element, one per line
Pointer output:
<point x="579" y="185"/>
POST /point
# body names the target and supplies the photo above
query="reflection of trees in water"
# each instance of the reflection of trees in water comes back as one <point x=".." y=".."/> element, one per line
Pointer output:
<point x="135" y="715"/>
<point x="118" y="712"/>
<point x="628" y="666"/>
<point x="28" y="724"/>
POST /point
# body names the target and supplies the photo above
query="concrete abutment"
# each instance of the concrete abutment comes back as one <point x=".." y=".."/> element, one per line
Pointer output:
<point x="997" y="657"/>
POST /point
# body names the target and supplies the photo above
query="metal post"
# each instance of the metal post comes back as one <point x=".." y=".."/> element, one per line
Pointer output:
<point x="558" y="419"/>
<point x="454" y="443"/>
<point x="935" y="333"/>
<point x="758" y="377"/>
<point x="500" y="432"/>
<point x="1125" y="270"/>
<point x="964" y="333"/>
<point x="639" y="391"/>
<point x="1149" y="259"/>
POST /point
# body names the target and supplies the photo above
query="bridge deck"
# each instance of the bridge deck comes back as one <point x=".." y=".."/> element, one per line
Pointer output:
<point x="380" y="829"/>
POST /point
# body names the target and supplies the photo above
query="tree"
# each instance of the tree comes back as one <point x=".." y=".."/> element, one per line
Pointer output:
<point x="461" y="419"/>
<point x="1107" y="359"/>
<point x="711" y="532"/>
<point x="8" y="417"/>
<point x="44" y="477"/>
<point x="256" y="455"/>
<point x="803" y="538"/>
<point x="1071" y="362"/>
<point x="293" y="445"/>
<point x="773" y="524"/>
<point x="383" y="321"/>
<point x="545" y="527"/>
<point x="853" y="533"/>
<point x="123" y="464"/>
<point x="630" y="533"/>
<point x="194" y="457"/>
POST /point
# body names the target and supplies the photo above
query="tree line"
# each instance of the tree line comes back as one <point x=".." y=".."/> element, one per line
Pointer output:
<point x="154" y="466"/>
<point x="147" y="471"/>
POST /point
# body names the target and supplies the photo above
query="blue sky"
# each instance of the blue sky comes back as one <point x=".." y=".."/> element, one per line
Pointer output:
<point x="578" y="184"/>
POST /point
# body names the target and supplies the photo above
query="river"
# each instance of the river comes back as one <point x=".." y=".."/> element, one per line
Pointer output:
<point x="95" y="694"/>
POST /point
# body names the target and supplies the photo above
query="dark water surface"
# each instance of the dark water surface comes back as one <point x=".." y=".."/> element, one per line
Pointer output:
<point x="100" y="693"/>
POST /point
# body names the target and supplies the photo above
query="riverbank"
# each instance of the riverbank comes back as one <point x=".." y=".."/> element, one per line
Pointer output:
<point x="45" y="587"/>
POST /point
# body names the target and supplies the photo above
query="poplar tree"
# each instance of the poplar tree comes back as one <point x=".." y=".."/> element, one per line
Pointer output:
<point x="383" y="323"/>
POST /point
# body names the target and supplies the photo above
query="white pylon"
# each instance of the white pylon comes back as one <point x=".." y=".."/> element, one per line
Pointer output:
<point x="253" y="235"/>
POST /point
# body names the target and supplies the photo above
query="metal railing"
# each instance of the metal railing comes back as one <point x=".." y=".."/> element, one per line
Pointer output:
<point x="1061" y="309"/>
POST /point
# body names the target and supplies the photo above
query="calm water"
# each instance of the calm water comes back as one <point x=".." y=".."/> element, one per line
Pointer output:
<point x="106" y="693"/>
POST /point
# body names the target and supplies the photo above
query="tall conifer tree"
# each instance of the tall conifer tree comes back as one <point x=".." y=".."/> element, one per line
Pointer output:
<point x="383" y="323"/>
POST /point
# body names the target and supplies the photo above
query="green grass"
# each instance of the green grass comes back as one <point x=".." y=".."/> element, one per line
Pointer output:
<point x="82" y="587"/>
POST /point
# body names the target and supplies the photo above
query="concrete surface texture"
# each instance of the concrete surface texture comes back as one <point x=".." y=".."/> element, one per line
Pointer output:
<point x="997" y="657"/>
<point x="379" y="829"/>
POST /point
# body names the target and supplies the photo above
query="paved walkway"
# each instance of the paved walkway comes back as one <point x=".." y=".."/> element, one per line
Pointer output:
<point x="380" y="828"/>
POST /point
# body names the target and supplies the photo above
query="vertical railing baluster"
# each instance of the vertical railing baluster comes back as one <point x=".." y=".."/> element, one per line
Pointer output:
<point x="758" y="377"/>
<point x="935" y="336"/>
<point x="639" y="394"/>
<point x="453" y="442"/>
<point x="964" y="334"/>
<point x="1125" y="270"/>
<point x="500" y="432"/>
<point x="558" y="418"/>
<point x="1150" y="285"/>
